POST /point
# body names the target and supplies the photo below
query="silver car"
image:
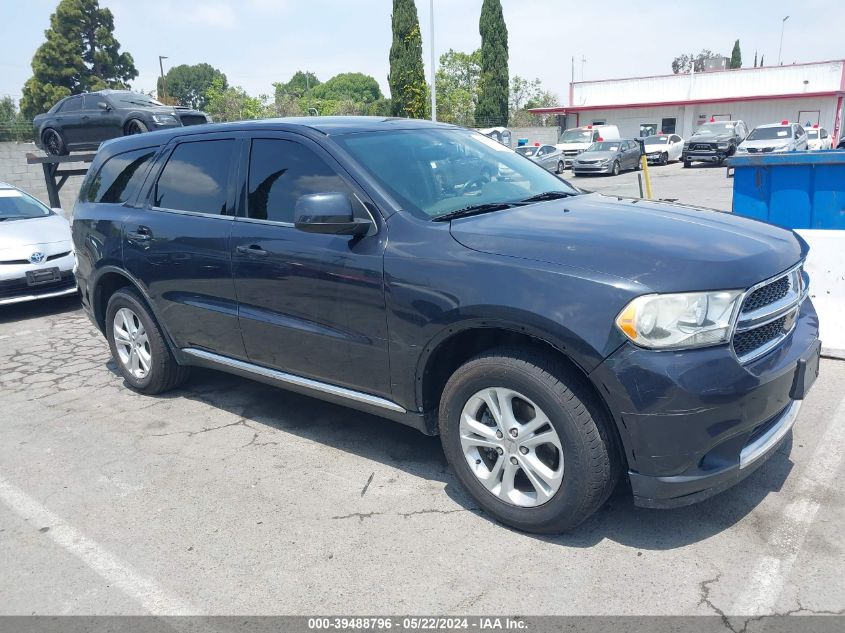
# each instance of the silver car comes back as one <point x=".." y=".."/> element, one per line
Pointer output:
<point x="36" y="253"/>
<point x="547" y="156"/>
<point x="608" y="157"/>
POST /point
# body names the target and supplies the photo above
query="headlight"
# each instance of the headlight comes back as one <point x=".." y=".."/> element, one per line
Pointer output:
<point x="165" y="119"/>
<point x="694" y="319"/>
<point x="603" y="161"/>
<point x="723" y="145"/>
<point x="686" y="145"/>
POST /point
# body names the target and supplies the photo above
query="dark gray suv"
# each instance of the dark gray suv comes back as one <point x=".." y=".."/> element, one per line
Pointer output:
<point x="82" y="122"/>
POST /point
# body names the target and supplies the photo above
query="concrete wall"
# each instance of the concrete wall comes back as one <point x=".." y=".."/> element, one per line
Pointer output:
<point x="543" y="135"/>
<point x="15" y="171"/>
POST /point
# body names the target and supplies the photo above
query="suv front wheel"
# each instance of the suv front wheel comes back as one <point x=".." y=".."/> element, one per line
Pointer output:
<point x="527" y="443"/>
<point x="138" y="346"/>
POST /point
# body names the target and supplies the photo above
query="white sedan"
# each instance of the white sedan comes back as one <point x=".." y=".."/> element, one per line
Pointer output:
<point x="662" y="148"/>
<point x="36" y="253"/>
<point x="819" y="138"/>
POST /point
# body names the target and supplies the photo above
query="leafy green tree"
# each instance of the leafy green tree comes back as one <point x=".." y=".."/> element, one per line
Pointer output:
<point x="301" y="83"/>
<point x="492" y="106"/>
<point x="408" y="89"/>
<point x="81" y="54"/>
<point x="13" y="126"/>
<point x="524" y="95"/>
<point x="456" y="82"/>
<point x="355" y="87"/>
<point x="232" y="103"/>
<point x="684" y="63"/>
<point x="189" y="84"/>
<point x="736" y="56"/>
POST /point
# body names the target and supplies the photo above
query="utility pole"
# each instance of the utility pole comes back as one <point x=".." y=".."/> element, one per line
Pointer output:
<point x="433" y="88"/>
<point x="780" y="47"/>
<point x="163" y="80"/>
<point x="583" y="62"/>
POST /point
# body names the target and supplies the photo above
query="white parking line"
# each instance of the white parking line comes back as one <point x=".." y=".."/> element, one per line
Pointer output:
<point x="766" y="581"/>
<point x="137" y="586"/>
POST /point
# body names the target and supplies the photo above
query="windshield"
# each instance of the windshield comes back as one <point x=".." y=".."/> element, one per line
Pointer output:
<point x="576" y="136"/>
<point x="527" y="151"/>
<point x="812" y="134"/>
<point x="121" y="99"/>
<point x="769" y="133"/>
<point x="15" y="205"/>
<point x="604" y="146"/>
<point x="433" y="172"/>
<point x="656" y="140"/>
<point x="715" y="128"/>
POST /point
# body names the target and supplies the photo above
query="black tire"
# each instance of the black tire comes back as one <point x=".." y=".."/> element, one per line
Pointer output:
<point x="686" y="164"/>
<point x="615" y="170"/>
<point x="591" y="463"/>
<point x="164" y="373"/>
<point x="638" y="166"/>
<point x="53" y="142"/>
<point x="136" y="126"/>
<point x="664" y="159"/>
<point x="560" y="167"/>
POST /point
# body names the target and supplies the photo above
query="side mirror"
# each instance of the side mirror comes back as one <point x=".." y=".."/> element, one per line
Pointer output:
<point x="328" y="213"/>
<point x="103" y="105"/>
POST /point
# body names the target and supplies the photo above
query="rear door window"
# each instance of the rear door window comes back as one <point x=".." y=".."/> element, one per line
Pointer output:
<point x="71" y="105"/>
<point x="120" y="177"/>
<point x="196" y="178"/>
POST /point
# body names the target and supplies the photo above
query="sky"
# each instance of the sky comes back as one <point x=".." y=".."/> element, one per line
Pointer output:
<point x="258" y="42"/>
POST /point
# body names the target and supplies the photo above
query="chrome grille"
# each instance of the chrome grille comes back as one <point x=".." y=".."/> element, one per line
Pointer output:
<point x="768" y="314"/>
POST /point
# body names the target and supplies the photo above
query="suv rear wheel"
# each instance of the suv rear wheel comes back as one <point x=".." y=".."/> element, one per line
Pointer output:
<point x="53" y="143"/>
<point x="138" y="347"/>
<point x="526" y="442"/>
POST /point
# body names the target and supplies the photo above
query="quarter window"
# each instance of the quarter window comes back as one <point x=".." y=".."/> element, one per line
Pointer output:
<point x="280" y="172"/>
<point x="196" y="178"/>
<point x="120" y="177"/>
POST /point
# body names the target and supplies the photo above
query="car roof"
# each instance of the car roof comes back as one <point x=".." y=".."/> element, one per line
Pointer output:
<point x="325" y="125"/>
<point x="777" y="124"/>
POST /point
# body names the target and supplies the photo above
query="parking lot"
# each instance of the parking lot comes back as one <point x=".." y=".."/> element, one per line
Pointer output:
<point x="229" y="496"/>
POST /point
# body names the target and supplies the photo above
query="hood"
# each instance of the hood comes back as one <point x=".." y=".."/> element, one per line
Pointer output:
<point x="767" y="142"/>
<point x="574" y="145"/>
<point x="597" y="155"/>
<point x="50" y="229"/>
<point x="665" y="247"/>
<point x="656" y="147"/>
<point x="711" y="138"/>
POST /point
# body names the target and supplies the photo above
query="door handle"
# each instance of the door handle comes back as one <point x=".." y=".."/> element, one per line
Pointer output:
<point x="141" y="234"/>
<point x="253" y="250"/>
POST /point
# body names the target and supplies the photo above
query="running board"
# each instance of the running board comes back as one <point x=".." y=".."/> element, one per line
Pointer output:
<point x="291" y="379"/>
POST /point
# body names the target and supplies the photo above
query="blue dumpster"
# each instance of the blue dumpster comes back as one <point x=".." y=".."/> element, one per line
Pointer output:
<point x="798" y="190"/>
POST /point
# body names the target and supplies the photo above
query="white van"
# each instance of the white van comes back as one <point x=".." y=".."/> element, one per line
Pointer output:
<point x="575" y="140"/>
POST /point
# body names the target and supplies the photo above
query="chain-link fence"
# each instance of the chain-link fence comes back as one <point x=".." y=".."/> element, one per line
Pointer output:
<point x="16" y="130"/>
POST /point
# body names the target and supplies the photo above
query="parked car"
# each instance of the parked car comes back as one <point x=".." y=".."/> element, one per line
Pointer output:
<point x="774" y="137"/>
<point x="36" y="253"/>
<point x="555" y="340"/>
<point x="547" y="156"/>
<point x="608" y="157"/>
<point x="841" y="144"/>
<point x="714" y="142"/>
<point x="82" y="122"/>
<point x="576" y="140"/>
<point x="662" y="148"/>
<point x="819" y="138"/>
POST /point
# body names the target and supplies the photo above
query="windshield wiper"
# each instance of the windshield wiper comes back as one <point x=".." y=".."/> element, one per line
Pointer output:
<point x="549" y="195"/>
<point x="476" y="209"/>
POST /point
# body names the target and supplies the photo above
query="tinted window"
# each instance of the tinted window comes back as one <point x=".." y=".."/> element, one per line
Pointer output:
<point x="74" y="103"/>
<point x="120" y="177"/>
<point x="90" y="101"/>
<point x="196" y="178"/>
<point x="282" y="171"/>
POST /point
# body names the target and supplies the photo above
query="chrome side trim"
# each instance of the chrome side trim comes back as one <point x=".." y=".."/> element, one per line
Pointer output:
<point x="35" y="297"/>
<point x="754" y="451"/>
<point x="291" y="379"/>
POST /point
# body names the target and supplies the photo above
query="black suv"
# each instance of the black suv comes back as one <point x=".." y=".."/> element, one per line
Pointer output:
<point x="714" y="142"/>
<point x="82" y="122"/>
<point x="555" y="340"/>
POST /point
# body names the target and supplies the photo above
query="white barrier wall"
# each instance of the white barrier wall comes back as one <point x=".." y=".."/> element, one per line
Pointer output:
<point x="826" y="267"/>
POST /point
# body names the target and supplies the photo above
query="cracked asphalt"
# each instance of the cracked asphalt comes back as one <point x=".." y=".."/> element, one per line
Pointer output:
<point x="231" y="497"/>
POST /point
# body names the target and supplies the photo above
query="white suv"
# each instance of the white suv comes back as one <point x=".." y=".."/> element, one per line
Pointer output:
<point x="774" y="137"/>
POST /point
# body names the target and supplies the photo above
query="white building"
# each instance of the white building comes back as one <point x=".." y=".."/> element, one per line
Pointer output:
<point x="807" y="93"/>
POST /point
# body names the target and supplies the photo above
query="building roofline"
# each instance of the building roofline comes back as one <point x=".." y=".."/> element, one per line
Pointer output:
<point x="653" y="104"/>
<point x="709" y="72"/>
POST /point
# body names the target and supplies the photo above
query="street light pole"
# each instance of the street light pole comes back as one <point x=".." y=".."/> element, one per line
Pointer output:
<point x="163" y="80"/>
<point x="433" y="88"/>
<point x="780" y="47"/>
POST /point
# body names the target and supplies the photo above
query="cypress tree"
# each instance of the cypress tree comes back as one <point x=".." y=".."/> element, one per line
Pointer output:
<point x="736" y="56"/>
<point x="492" y="108"/>
<point x="80" y="55"/>
<point x="755" y="59"/>
<point x="408" y="90"/>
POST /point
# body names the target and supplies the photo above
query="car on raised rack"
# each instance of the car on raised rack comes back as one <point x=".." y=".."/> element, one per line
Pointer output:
<point x="36" y="252"/>
<point x="82" y="122"/>
<point x="556" y="340"/>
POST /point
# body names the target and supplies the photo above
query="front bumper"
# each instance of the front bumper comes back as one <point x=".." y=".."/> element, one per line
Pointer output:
<point x="704" y="157"/>
<point x="592" y="169"/>
<point x="696" y="422"/>
<point x="14" y="287"/>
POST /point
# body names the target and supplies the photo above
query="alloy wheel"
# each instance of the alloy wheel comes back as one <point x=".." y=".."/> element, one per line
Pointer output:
<point x="511" y="447"/>
<point x="52" y="142"/>
<point x="132" y="343"/>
